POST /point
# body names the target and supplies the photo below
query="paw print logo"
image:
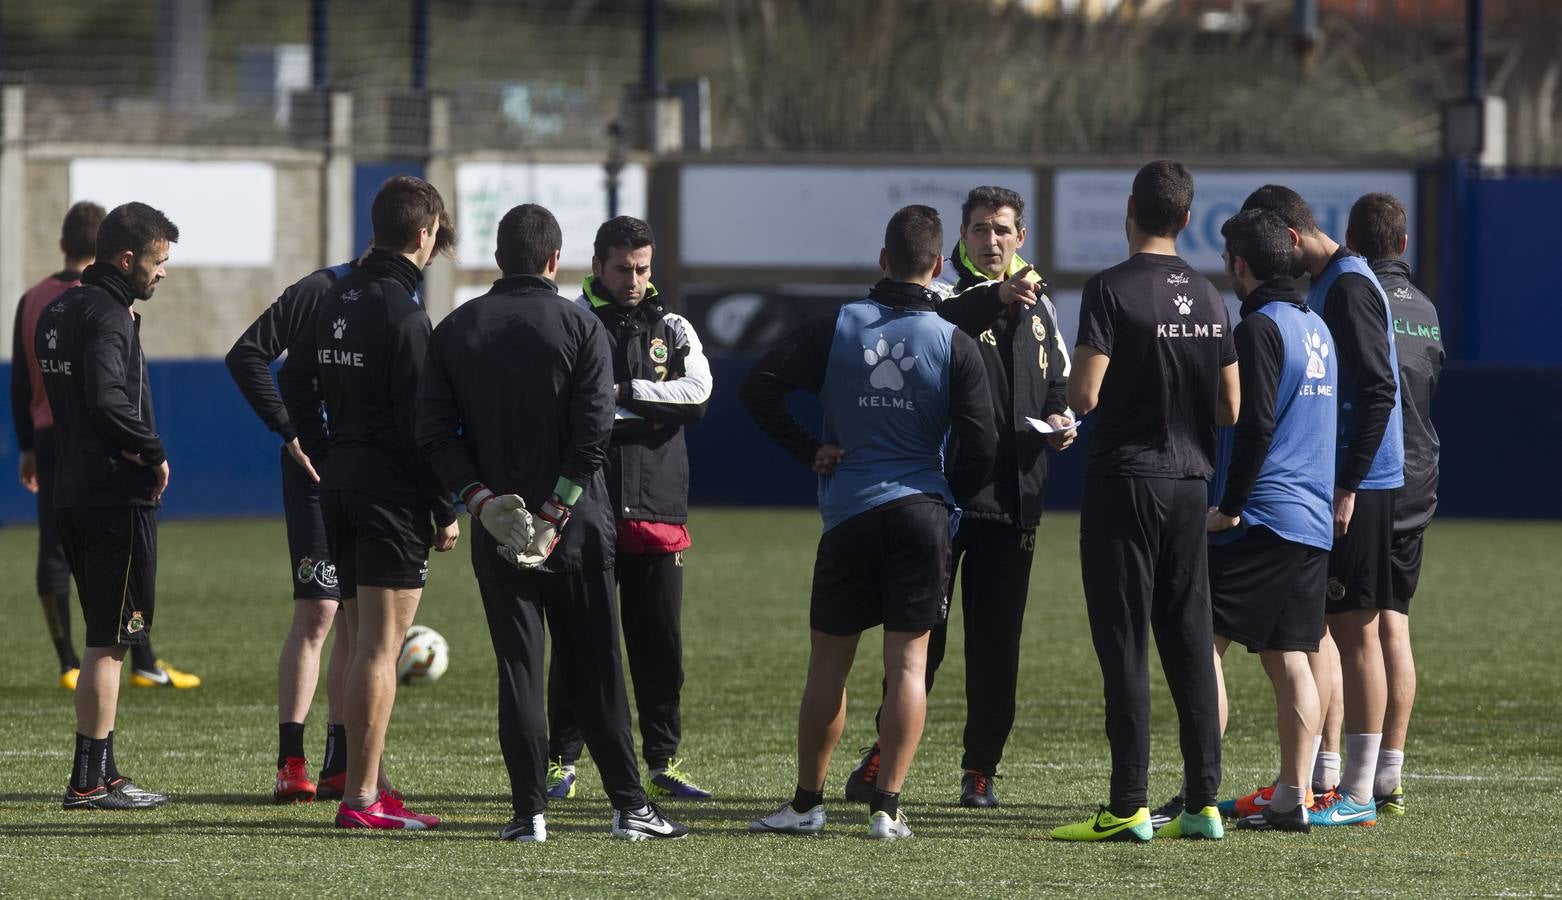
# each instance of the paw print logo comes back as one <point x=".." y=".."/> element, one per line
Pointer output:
<point x="337" y="327"/>
<point x="1317" y="352"/>
<point x="887" y="364"/>
<point x="1184" y="304"/>
<point x="52" y="337"/>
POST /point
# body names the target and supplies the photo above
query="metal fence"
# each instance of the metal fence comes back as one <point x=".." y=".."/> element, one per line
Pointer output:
<point x="916" y="76"/>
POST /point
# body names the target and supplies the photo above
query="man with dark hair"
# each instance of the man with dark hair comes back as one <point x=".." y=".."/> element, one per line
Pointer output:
<point x="291" y="406"/>
<point x="895" y="380"/>
<point x="1026" y="363"/>
<point x="661" y="382"/>
<point x="111" y="478"/>
<point x="382" y="506"/>
<point x="1369" y="464"/>
<point x="34" y="423"/>
<point x="515" y="410"/>
<point x="1271" y="531"/>
<point x="1155" y="360"/>
<point x="1378" y="231"/>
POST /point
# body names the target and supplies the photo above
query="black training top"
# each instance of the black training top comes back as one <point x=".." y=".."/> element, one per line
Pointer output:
<point x="371" y="341"/>
<point x="89" y="348"/>
<point x="1261" y="347"/>
<point x="1418" y="338"/>
<point x="286" y="326"/>
<point x="518" y="393"/>
<point x="800" y="362"/>
<point x="1168" y="334"/>
<point x="1354" y="312"/>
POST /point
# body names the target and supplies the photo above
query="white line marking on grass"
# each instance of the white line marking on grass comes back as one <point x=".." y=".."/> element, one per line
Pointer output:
<point x="1438" y="776"/>
<point x="118" y="859"/>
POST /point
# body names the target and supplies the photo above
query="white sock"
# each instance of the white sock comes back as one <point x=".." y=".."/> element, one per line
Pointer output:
<point x="1312" y="761"/>
<point x="1361" y="762"/>
<point x="1326" y="771"/>
<point x="1390" y="762"/>
<point x="1287" y="797"/>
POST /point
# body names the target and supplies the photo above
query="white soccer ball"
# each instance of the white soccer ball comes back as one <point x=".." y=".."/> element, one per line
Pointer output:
<point x="424" y="656"/>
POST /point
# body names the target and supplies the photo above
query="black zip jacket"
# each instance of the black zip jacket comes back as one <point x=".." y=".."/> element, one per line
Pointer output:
<point x="664" y="383"/>
<point x="371" y="341"/>
<point x="518" y="393"/>
<point x="286" y="326"/>
<point x="1418" y="337"/>
<point x="802" y="358"/>
<point x="89" y="347"/>
<point x="1261" y="352"/>
<point x="1354" y="313"/>
<point x="1027" y="367"/>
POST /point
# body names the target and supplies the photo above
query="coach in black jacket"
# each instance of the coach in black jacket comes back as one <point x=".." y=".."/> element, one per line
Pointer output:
<point x="662" y="382"/>
<point x="517" y="401"/>
<point x="111" y="476"/>
<point x="1026" y="363"/>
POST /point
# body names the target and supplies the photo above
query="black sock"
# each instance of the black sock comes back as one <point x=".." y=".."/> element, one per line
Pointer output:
<point x="335" y="750"/>
<point x="290" y="741"/>
<point x="803" y="801"/>
<point x="884" y="801"/>
<point x="87" y="763"/>
<point x="110" y="769"/>
<point x="142" y="657"/>
<point x="57" y="613"/>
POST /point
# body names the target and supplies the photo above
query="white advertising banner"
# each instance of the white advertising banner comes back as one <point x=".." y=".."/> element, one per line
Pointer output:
<point x="576" y="194"/>
<point x="1089" y="206"/>
<point x="817" y="217"/>
<point x="226" y="211"/>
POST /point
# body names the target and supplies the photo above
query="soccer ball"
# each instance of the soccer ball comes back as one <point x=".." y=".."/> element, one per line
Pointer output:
<point x="424" y="656"/>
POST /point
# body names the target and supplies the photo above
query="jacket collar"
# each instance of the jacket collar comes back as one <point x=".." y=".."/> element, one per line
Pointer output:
<point x="384" y="262"/>
<point x="650" y="305"/>
<point x="1390" y="265"/>
<point x="969" y="275"/>
<point x="903" y="295"/>
<point x="513" y="284"/>
<point x="112" y="280"/>
<point x="1281" y="289"/>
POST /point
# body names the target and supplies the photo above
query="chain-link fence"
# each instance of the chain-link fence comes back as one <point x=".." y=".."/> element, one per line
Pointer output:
<point x="916" y="76"/>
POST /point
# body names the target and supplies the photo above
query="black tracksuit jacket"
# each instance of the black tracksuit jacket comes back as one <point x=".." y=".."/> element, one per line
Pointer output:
<point x="1027" y="367"/>
<point x="89" y="347"/>
<point x="517" y="393"/>
<point x="664" y="383"/>
<point x="286" y="326"/>
<point x="371" y="341"/>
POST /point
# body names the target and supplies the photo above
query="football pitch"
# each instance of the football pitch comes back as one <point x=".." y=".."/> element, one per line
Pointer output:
<point x="1483" y="772"/>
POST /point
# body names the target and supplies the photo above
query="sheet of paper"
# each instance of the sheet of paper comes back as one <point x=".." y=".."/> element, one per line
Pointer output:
<point x="1041" y="425"/>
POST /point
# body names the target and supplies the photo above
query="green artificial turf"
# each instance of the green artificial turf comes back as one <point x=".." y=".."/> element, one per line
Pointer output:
<point x="1483" y="770"/>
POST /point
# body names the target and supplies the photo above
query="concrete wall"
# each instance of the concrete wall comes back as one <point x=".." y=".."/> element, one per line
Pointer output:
<point x="197" y="311"/>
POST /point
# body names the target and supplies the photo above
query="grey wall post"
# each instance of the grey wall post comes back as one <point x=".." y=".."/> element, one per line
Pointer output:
<point x="439" y="279"/>
<point x="13" y="206"/>
<point x="338" y="182"/>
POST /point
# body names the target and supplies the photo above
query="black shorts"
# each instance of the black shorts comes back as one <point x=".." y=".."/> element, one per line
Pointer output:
<point x="308" y="552"/>
<point x="375" y="542"/>
<point x="1266" y="593"/>
<point x="113" y="555"/>
<point x="888" y="566"/>
<point x="1360" y="567"/>
<point x="1406" y="557"/>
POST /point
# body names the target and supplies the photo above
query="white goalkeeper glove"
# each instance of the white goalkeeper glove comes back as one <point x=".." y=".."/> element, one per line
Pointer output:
<point x="548" y="524"/>
<point x="504" y="516"/>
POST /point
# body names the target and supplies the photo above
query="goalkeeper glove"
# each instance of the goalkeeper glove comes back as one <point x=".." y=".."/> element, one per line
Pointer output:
<point x="548" y="525"/>
<point x="504" y="516"/>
